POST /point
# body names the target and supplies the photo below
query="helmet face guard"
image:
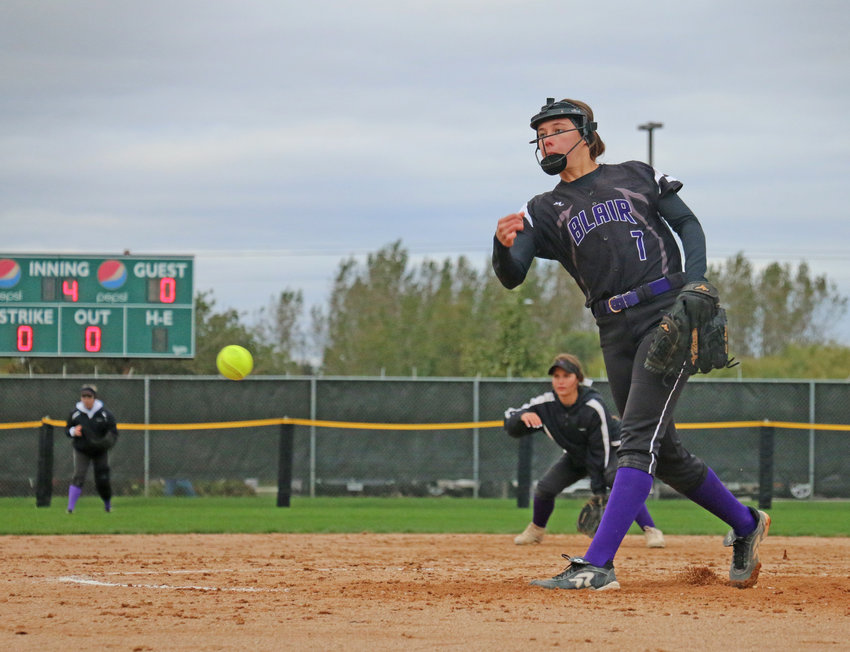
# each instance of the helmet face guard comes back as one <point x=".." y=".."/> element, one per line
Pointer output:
<point x="553" y="164"/>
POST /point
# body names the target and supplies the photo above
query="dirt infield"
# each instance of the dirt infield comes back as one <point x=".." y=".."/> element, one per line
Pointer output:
<point x="410" y="592"/>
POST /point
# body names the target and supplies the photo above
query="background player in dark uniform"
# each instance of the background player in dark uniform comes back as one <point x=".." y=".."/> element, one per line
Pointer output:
<point x="93" y="432"/>
<point x="574" y="416"/>
<point x="611" y="227"/>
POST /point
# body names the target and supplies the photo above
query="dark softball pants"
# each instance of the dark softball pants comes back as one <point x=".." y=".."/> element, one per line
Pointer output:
<point x="646" y="401"/>
<point x="565" y="472"/>
<point x="101" y="472"/>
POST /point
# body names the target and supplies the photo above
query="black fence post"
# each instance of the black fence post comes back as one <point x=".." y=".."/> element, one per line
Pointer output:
<point x="284" y="464"/>
<point x="766" y="467"/>
<point x="44" y="478"/>
<point x="523" y="472"/>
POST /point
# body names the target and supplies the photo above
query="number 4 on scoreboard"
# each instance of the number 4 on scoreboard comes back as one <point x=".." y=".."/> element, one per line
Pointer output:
<point x="70" y="290"/>
<point x="50" y="289"/>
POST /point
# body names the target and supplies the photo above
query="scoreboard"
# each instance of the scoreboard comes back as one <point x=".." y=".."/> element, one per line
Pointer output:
<point x="80" y="305"/>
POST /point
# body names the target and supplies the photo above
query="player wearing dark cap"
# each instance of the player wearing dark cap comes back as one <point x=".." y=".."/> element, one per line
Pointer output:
<point x="611" y="227"/>
<point x="575" y="417"/>
<point x="93" y="432"/>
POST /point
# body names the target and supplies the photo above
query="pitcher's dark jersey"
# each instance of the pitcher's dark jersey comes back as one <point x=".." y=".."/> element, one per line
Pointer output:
<point x="604" y="228"/>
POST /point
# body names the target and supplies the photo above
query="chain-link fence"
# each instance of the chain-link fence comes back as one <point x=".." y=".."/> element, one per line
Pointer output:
<point x="478" y="461"/>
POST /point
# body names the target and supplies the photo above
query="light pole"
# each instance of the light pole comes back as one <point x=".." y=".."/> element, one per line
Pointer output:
<point x="649" y="127"/>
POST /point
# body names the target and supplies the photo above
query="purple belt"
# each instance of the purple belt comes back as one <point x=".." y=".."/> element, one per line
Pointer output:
<point x="639" y="294"/>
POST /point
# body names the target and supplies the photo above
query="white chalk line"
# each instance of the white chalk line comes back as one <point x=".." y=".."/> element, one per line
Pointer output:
<point x="76" y="579"/>
<point x="306" y="568"/>
<point x="90" y="581"/>
<point x="175" y="572"/>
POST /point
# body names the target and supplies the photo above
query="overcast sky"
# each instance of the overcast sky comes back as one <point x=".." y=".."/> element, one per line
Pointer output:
<point x="271" y="139"/>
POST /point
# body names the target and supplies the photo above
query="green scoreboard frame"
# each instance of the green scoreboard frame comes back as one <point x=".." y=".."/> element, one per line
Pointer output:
<point x="100" y="306"/>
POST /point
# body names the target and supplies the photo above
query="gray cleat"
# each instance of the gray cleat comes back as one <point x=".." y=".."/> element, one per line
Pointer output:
<point x="744" y="571"/>
<point x="581" y="575"/>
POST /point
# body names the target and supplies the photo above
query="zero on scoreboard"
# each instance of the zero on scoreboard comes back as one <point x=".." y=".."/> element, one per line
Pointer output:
<point x="81" y="305"/>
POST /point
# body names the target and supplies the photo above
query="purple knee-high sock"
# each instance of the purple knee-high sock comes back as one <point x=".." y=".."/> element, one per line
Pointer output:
<point x="630" y="490"/>
<point x="74" y="493"/>
<point x="643" y="519"/>
<point x="543" y="508"/>
<point x="717" y="499"/>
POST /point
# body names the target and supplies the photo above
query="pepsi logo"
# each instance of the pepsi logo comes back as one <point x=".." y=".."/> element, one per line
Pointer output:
<point x="111" y="274"/>
<point x="10" y="273"/>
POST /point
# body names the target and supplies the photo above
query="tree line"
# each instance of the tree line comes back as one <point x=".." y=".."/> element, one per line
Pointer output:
<point x="452" y="318"/>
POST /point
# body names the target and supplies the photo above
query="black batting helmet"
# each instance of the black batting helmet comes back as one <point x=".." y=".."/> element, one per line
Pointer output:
<point x="564" y="109"/>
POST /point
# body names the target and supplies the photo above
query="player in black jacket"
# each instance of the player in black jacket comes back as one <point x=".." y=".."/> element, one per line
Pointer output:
<point x="611" y="227"/>
<point x="574" y="416"/>
<point x="93" y="432"/>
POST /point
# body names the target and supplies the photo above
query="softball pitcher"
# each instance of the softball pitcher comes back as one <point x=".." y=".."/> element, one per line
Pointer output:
<point x="611" y="227"/>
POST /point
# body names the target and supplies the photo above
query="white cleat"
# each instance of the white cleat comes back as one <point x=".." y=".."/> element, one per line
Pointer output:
<point x="532" y="534"/>
<point x="654" y="537"/>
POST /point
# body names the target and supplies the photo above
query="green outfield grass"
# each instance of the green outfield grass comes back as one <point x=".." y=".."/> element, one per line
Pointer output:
<point x="259" y="514"/>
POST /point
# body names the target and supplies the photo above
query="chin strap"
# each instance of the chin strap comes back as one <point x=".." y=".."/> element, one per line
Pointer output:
<point x="553" y="164"/>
